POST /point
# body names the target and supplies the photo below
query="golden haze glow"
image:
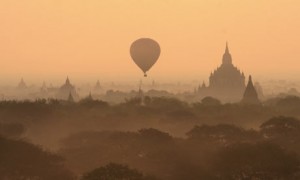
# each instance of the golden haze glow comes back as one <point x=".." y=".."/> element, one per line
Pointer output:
<point x="51" y="39"/>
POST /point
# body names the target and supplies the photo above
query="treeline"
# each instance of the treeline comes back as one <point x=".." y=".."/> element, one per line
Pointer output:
<point x="207" y="152"/>
<point x="136" y="113"/>
<point x="288" y="104"/>
<point x="149" y="138"/>
<point x="20" y="160"/>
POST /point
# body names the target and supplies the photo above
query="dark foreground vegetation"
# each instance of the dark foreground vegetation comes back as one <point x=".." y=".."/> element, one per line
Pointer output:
<point x="159" y="138"/>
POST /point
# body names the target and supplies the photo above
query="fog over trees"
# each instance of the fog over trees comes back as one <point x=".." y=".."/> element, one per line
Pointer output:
<point x="150" y="138"/>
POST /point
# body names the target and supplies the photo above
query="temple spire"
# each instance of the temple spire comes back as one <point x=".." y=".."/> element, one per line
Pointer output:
<point x="227" y="56"/>
<point x="250" y="94"/>
<point x="68" y="80"/>
<point x="227" y="49"/>
<point x="22" y="84"/>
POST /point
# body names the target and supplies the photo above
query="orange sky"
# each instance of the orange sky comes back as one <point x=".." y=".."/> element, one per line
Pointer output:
<point x="50" y="39"/>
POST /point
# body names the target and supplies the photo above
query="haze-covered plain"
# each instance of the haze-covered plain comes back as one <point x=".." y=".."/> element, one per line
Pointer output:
<point x="147" y="131"/>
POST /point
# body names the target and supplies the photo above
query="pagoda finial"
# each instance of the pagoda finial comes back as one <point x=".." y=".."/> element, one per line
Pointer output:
<point x="67" y="81"/>
<point x="227" y="56"/>
<point x="227" y="49"/>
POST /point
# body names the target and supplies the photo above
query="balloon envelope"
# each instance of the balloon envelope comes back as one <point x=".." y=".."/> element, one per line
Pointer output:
<point x="145" y="52"/>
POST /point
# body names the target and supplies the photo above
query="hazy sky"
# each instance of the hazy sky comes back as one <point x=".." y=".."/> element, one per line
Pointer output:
<point x="50" y="39"/>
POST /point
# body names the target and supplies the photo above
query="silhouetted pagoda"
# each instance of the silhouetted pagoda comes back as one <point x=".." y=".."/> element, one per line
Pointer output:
<point x="22" y="84"/>
<point x="70" y="98"/>
<point x="250" y="94"/>
<point x="67" y="89"/>
<point x="226" y="83"/>
<point x="98" y="86"/>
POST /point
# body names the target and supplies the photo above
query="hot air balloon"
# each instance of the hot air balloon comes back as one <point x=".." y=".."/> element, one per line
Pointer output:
<point x="145" y="52"/>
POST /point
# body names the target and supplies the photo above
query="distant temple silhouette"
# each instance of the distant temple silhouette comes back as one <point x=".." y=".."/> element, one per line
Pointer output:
<point x="98" y="86"/>
<point x="22" y="84"/>
<point x="226" y="83"/>
<point x="70" y="98"/>
<point x="250" y="95"/>
<point x="67" y="90"/>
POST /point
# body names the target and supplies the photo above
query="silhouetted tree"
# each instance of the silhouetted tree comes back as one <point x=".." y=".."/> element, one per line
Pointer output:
<point x="115" y="172"/>
<point x="20" y="160"/>
<point x="255" y="161"/>
<point x="154" y="135"/>
<point x="210" y="101"/>
<point x="281" y="126"/>
<point x="284" y="131"/>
